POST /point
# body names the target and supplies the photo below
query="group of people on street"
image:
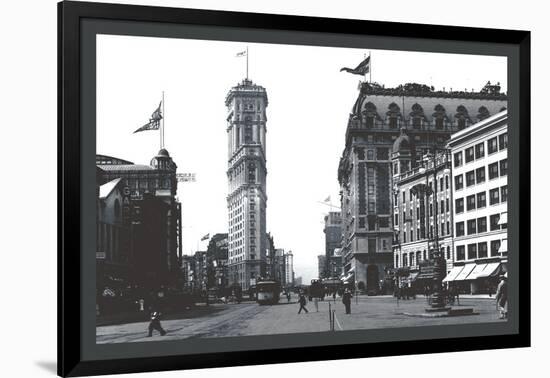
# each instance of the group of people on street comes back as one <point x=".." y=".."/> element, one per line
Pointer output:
<point x="346" y="300"/>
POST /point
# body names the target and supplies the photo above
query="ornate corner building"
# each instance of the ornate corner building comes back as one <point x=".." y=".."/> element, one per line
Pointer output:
<point x="246" y="174"/>
<point x="365" y="173"/>
<point x="139" y="222"/>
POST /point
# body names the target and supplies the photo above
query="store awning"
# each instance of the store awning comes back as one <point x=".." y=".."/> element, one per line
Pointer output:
<point x="503" y="246"/>
<point x="478" y="269"/>
<point x="503" y="219"/>
<point x="465" y="272"/>
<point x="491" y="270"/>
<point x="410" y="278"/>
<point x="453" y="273"/>
<point x="348" y="276"/>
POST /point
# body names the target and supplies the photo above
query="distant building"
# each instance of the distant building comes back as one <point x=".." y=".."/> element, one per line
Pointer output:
<point x="365" y="172"/>
<point x="200" y="271"/>
<point x="217" y="252"/>
<point x="298" y="281"/>
<point x="335" y="264"/>
<point x="289" y="269"/>
<point x="333" y="240"/>
<point x="247" y="199"/>
<point x="187" y="271"/>
<point x="279" y="266"/>
<point x="480" y="193"/>
<point x="322" y="266"/>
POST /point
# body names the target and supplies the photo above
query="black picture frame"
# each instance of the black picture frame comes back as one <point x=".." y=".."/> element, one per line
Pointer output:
<point x="70" y="18"/>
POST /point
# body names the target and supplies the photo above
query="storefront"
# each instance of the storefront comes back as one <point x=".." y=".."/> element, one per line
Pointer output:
<point x="475" y="278"/>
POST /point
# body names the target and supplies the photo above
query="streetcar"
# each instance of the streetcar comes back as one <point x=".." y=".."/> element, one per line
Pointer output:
<point x="268" y="292"/>
<point x="316" y="290"/>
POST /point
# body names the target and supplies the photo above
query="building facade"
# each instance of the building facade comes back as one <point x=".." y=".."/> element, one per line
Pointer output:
<point x="333" y="240"/>
<point x="322" y="266"/>
<point x="480" y="192"/>
<point x="422" y="212"/>
<point x="365" y="172"/>
<point x="247" y="199"/>
<point x="154" y="216"/>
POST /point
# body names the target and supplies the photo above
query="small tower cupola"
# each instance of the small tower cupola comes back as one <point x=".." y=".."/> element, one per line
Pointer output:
<point x="401" y="153"/>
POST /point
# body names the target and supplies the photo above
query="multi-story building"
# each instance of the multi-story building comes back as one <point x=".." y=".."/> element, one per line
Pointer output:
<point x="322" y="266"/>
<point x="422" y="212"/>
<point x="335" y="264"/>
<point x="278" y="266"/>
<point x="217" y="252"/>
<point x="480" y="193"/>
<point x="333" y="240"/>
<point x="187" y="271"/>
<point x="149" y="201"/>
<point x="365" y="171"/>
<point x="289" y="269"/>
<point x="200" y="271"/>
<point x="246" y="202"/>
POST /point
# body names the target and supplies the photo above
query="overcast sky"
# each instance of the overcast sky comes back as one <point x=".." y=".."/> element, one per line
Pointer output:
<point x="309" y="104"/>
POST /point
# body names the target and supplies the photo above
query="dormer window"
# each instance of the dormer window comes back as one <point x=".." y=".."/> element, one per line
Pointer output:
<point x="370" y="122"/>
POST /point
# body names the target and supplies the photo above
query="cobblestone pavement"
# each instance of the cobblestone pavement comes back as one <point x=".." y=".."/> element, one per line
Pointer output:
<point x="251" y="319"/>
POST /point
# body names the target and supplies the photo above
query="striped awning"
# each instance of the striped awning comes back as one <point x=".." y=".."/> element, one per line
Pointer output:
<point x="453" y="273"/>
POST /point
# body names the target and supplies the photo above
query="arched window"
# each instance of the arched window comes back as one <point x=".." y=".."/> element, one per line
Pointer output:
<point x="393" y="116"/>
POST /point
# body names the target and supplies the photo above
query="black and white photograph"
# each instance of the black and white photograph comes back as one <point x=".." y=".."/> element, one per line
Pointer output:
<point x="247" y="189"/>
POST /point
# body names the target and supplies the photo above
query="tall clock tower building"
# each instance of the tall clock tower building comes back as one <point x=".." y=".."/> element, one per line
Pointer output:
<point x="246" y="201"/>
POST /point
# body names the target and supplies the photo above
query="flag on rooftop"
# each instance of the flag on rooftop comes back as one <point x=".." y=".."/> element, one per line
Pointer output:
<point x="205" y="237"/>
<point x="154" y="121"/>
<point x="362" y="69"/>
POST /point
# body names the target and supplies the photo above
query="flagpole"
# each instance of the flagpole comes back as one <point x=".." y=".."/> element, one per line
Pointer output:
<point x="162" y="130"/>
<point x="246" y="62"/>
<point x="370" y="69"/>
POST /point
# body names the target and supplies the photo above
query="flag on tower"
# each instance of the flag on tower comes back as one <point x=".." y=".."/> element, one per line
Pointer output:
<point x="242" y="53"/>
<point x="205" y="237"/>
<point x="327" y="199"/>
<point x="154" y="121"/>
<point x="362" y="69"/>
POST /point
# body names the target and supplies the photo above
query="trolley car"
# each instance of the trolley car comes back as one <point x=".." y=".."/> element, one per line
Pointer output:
<point x="268" y="292"/>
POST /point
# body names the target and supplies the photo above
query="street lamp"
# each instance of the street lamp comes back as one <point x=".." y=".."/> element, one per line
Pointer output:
<point x="438" y="298"/>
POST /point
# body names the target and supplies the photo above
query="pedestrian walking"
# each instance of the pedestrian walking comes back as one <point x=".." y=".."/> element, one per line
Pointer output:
<point x="334" y="296"/>
<point x="316" y="304"/>
<point x="346" y="300"/>
<point x="155" y="324"/>
<point x="288" y="296"/>
<point x="302" y="301"/>
<point x="502" y="297"/>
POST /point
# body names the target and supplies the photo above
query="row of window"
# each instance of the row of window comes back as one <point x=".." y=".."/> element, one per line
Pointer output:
<point x="444" y="229"/>
<point x="414" y="258"/>
<point x="495" y="144"/>
<point x="479" y="200"/>
<point x="477" y="176"/>
<point x="382" y="153"/>
<point x="479" y="225"/>
<point x="477" y="250"/>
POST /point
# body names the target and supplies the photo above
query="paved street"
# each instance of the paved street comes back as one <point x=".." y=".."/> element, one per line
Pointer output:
<point x="251" y="319"/>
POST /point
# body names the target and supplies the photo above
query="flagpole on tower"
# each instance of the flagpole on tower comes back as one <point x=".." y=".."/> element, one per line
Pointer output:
<point x="162" y="125"/>
<point x="246" y="62"/>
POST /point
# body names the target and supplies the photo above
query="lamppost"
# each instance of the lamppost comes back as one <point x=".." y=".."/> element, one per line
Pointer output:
<point x="439" y="267"/>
